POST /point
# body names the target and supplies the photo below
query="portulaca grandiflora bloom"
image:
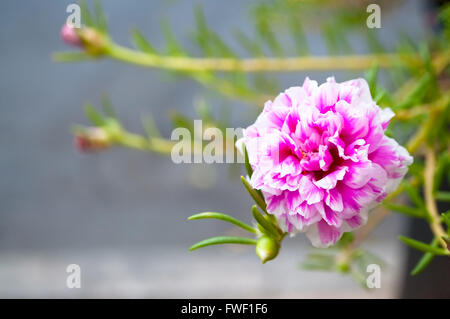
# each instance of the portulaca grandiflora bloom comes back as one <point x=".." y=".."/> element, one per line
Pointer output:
<point x="321" y="158"/>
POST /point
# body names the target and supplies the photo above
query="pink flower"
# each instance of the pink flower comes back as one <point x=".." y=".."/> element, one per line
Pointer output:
<point x="70" y="36"/>
<point x="321" y="159"/>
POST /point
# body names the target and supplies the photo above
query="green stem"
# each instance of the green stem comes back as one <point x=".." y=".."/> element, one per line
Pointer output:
<point x="435" y="223"/>
<point x="188" y="64"/>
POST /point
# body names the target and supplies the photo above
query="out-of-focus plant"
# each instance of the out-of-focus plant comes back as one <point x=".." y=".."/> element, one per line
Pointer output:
<point x="417" y="91"/>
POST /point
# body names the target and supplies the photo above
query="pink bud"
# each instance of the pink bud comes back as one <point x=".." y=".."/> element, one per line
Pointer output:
<point x="70" y="35"/>
<point x="82" y="144"/>
<point x="92" y="140"/>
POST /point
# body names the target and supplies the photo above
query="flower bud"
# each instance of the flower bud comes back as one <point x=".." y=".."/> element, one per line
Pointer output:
<point x="94" y="42"/>
<point x="267" y="248"/>
<point x="91" y="40"/>
<point x="70" y="35"/>
<point x="92" y="139"/>
<point x="343" y="267"/>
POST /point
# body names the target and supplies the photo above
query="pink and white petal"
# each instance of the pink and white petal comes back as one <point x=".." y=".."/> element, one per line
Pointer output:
<point x="325" y="158"/>
<point x="385" y="115"/>
<point x="323" y="235"/>
<point x="394" y="158"/>
<point x="310" y="192"/>
<point x="352" y="223"/>
<point x="355" y="200"/>
<point x="331" y="217"/>
<point x="282" y="100"/>
<point x="276" y="205"/>
<point x="378" y="180"/>
<point x="296" y="94"/>
<point x="354" y="120"/>
<point x="330" y="180"/>
<point x="310" y="86"/>
<point x="293" y="201"/>
<point x="334" y="200"/>
<point x="326" y="96"/>
<point x="356" y="91"/>
<point x="358" y="175"/>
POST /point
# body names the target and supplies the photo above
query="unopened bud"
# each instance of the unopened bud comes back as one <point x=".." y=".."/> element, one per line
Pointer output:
<point x="267" y="248"/>
<point x="343" y="267"/>
<point x="70" y="35"/>
<point x="91" y="140"/>
<point x="91" y="40"/>
<point x="94" y="42"/>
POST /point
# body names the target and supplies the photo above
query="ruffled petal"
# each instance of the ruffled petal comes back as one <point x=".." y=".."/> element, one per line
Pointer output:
<point x="321" y="158"/>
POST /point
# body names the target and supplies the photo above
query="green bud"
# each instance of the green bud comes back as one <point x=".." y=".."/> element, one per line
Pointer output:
<point x="271" y="218"/>
<point x="267" y="248"/>
<point x="343" y="267"/>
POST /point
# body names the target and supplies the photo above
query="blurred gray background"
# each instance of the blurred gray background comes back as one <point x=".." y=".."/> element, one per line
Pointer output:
<point x="121" y="215"/>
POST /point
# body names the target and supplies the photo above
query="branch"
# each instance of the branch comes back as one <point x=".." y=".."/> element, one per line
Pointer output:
<point x="188" y="64"/>
<point x="435" y="224"/>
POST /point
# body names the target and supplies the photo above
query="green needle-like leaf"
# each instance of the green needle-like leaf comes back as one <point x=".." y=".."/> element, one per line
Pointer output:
<point x="446" y="219"/>
<point x="330" y="37"/>
<point x="208" y="40"/>
<point x="439" y="174"/>
<point x="223" y="240"/>
<point x="141" y="42"/>
<point x="406" y="210"/>
<point x="373" y="41"/>
<point x="380" y="95"/>
<point x="225" y="217"/>
<point x="265" y="224"/>
<point x="107" y="107"/>
<point x="417" y="93"/>
<point x="248" y="43"/>
<point x="173" y="46"/>
<point x="372" y="78"/>
<point x="100" y="17"/>
<point x="93" y="115"/>
<point x="248" y="167"/>
<point x="179" y="120"/>
<point x="298" y="36"/>
<point x="443" y="196"/>
<point x="202" y="32"/>
<point x="422" y="246"/>
<point x="148" y="122"/>
<point x="414" y="195"/>
<point x="203" y="111"/>
<point x="425" y="260"/>
<point x="259" y="200"/>
<point x="318" y="261"/>
<point x="266" y="32"/>
<point x="86" y="16"/>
